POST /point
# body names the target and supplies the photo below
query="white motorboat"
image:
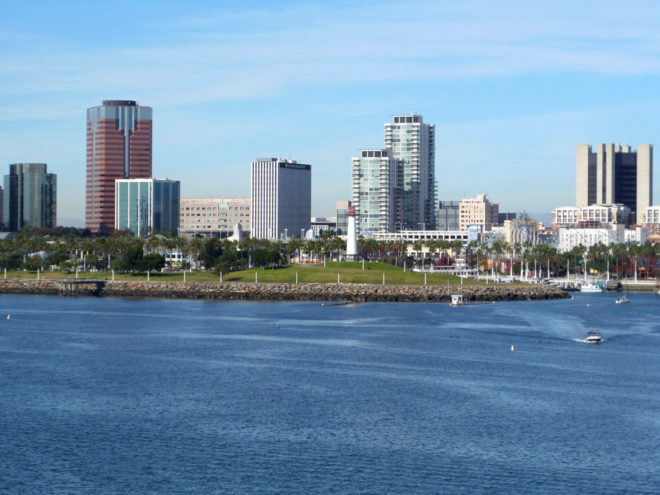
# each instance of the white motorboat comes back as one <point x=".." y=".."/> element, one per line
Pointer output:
<point x="593" y="337"/>
<point x="591" y="287"/>
<point x="457" y="300"/>
<point x="622" y="300"/>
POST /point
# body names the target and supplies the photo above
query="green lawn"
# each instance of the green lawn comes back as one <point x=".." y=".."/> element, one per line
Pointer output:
<point x="349" y="272"/>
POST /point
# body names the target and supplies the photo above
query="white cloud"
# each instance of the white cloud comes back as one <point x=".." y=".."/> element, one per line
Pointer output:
<point x="230" y="55"/>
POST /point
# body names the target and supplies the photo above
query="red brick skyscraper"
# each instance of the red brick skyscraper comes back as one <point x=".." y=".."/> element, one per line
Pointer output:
<point x="118" y="147"/>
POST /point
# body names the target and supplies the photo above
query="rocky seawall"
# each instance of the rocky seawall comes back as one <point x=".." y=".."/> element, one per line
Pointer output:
<point x="232" y="291"/>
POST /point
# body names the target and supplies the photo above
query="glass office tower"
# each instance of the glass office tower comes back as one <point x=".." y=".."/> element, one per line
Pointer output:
<point x="147" y="206"/>
<point x="30" y="197"/>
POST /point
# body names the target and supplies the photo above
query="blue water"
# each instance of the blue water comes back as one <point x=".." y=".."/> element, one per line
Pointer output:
<point x="161" y="396"/>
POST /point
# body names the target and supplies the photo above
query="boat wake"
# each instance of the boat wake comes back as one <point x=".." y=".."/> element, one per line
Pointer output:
<point x="585" y="341"/>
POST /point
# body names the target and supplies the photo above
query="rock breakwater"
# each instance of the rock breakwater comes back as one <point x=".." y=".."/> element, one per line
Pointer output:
<point x="281" y="292"/>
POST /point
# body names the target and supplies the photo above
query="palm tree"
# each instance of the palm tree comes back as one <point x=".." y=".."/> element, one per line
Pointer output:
<point x="418" y="245"/>
<point x="432" y="246"/>
<point x="338" y="245"/>
<point x="294" y="246"/>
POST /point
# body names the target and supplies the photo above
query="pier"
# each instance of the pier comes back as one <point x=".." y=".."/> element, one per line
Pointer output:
<point x="80" y="286"/>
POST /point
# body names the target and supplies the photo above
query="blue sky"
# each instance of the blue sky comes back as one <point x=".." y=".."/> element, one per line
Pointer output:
<point x="512" y="87"/>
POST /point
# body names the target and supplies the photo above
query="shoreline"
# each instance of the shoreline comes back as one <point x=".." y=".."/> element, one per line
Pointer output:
<point x="248" y="291"/>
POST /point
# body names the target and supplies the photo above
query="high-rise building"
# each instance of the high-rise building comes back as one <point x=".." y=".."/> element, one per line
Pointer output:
<point x="376" y="177"/>
<point x="118" y="147"/>
<point x="615" y="174"/>
<point x="214" y="216"/>
<point x="147" y="206"/>
<point x="408" y="138"/>
<point x="478" y="211"/>
<point x="30" y="197"/>
<point x="281" y="198"/>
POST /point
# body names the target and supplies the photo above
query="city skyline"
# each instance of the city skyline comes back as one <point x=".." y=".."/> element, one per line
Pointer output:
<point x="511" y="88"/>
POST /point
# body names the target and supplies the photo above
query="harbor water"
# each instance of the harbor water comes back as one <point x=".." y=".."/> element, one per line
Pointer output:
<point x="104" y="395"/>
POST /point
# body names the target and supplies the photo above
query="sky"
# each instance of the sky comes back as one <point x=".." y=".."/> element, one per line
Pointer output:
<point x="511" y="86"/>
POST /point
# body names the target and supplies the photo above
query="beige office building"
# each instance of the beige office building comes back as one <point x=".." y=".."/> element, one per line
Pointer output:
<point x="478" y="211"/>
<point x="214" y="215"/>
<point x="614" y="174"/>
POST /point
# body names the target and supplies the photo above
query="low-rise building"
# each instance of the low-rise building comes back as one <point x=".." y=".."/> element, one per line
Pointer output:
<point x="478" y="211"/>
<point x="591" y="216"/>
<point x="652" y="222"/>
<point x="637" y="235"/>
<point x="568" y="238"/>
<point x="214" y="216"/>
<point x="424" y="235"/>
<point x="320" y="224"/>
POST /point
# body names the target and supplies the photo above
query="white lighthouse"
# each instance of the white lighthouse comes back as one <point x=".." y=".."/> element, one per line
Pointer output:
<point x="351" y="240"/>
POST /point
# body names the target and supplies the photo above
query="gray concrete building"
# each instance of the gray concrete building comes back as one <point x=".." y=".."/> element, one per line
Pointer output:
<point x="30" y="197"/>
<point x="280" y="199"/>
<point x="615" y="174"/>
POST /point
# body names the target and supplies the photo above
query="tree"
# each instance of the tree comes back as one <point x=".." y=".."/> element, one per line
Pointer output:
<point x="151" y="262"/>
<point x="32" y="263"/>
<point x="12" y="261"/>
<point x="130" y="256"/>
<point x="57" y="257"/>
<point x="294" y="246"/>
<point x="263" y="257"/>
<point x="210" y="251"/>
<point x="418" y="245"/>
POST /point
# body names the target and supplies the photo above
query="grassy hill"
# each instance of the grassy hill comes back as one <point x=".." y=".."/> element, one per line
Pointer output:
<point x="349" y="272"/>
